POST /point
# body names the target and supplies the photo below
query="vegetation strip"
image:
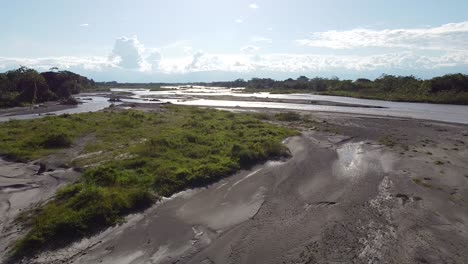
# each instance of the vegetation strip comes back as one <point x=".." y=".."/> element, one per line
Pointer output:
<point x="135" y="158"/>
<point x="447" y="89"/>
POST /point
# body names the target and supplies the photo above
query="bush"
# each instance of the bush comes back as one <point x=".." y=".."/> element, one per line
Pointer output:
<point x="56" y="140"/>
<point x="288" y="116"/>
<point x="69" y="101"/>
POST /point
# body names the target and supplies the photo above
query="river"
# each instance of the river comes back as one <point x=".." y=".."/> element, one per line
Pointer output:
<point x="211" y="97"/>
<point x="178" y="95"/>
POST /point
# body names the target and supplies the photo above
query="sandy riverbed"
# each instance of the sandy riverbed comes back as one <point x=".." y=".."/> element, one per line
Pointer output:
<point x="43" y="108"/>
<point x="359" y="189"/>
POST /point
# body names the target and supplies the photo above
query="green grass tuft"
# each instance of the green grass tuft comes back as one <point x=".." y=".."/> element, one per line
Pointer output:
<point x="288" y="116"/>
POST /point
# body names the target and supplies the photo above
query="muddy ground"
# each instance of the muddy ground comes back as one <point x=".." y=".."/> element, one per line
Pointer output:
<point x="357" y="189"/>
<point x="42" y="108"/>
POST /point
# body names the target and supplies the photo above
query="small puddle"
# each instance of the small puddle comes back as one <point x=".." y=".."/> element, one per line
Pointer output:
<point x="350" y="160"/>
<point x="357" y="159"/>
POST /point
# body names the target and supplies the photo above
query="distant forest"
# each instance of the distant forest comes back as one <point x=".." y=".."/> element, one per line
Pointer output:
<point x="451" y="88"/>
<point x="25" y="86"/>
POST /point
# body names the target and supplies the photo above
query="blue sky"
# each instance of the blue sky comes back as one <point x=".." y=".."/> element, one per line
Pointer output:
<point x="206" y="40"/>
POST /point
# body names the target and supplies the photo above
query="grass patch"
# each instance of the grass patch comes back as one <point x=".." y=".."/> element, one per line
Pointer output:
<point x="388" y="141"/>
<point x="436" y="98"/>
<point x="421" y="182"/>
<point x="288" y="116"/>
<point x="262" y="116"/>
<point x="159" y="154"/>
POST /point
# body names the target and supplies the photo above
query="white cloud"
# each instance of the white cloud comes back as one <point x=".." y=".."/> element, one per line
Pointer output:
<point x="195" y="63"/>
<point x="66" y="62"/>
<point x="259" y="39"/>
<point x="452" y="36"/>
<point x="129" y="53"/>
<point x="239" y="20"/>
<point x="253" y="6"/>
<point x="84" y="25"/>
<point x="311" y="63"/>
<point x="130" y="56"/>
<point x="152" y="61"/>
<point x="249" y="49"/>
<point x="187" y="49"/>
<point x="269" y="29"/>
<point x="250" y="62"/>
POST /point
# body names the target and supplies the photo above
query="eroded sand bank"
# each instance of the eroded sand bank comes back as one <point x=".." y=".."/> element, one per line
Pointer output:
<point x="23" y="188"/>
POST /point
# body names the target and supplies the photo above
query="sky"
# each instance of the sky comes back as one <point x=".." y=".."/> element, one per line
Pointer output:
<point x="216" y="40"/>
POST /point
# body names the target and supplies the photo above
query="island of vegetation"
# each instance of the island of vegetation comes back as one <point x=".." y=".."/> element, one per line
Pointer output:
<point x="25" y="86"/>
<point x="131" y="159"/>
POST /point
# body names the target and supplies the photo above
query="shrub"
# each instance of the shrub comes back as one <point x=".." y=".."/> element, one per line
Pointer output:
<point x="56" y="140"/>
<point x="288" y="116"/>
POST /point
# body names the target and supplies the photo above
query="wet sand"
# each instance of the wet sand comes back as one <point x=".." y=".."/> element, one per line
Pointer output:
<point x="357" y="189"/>
<point x="189" y="97"/>
<point x="22" y="189"/>
<point x="42" y="108"/>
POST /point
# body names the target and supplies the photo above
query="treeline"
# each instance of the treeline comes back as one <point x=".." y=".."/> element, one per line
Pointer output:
<point x="27" y="86"/>
<point x="451" y="88"/>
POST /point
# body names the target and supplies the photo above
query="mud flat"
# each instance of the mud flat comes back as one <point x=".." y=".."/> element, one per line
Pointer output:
<point x="263" y="99"/>
<point x="24" y="187"/>
<point x="38" y="109"/>
<point x="357" y="189"/>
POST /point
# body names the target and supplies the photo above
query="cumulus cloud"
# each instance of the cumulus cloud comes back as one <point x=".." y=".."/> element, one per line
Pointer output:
<point x="452" y="36"/>
<point x="254" y="6"/>
<point x="187" y="49"/>
<point x="64" y="63"/>
<point x="128" y="52"/>
<point x="152" y="61"/>
<point x="248" y="62"/>
<point x="249" y="49"/>
<point x="194" y="64"/>
<point x="131" y="56"/>
<point x="84" y="25"/>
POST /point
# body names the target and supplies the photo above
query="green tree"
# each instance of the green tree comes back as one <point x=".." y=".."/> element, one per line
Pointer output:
<point x="30" y="85"/>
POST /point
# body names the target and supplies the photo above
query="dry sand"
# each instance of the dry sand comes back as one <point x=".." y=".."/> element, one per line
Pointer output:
<point x="359" y="190"/>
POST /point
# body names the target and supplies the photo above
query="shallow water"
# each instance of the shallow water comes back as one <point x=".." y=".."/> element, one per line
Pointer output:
<point x="190" y="96"/>
<point x="438" y="112"/>
<point x="97" y="103"/>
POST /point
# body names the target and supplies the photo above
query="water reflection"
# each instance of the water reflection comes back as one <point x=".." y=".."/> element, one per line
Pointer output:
<point x="356" y="159"/>
<point x="90" y="104"/>
<point x="188" y="96"/>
